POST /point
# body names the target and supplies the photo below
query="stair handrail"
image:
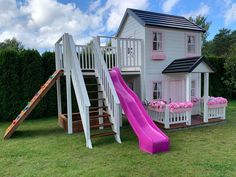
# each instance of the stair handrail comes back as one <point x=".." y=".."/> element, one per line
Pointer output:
<point x="109" y="89"/>
<point x="76" y="67"/>
<point x="79" y="87"/>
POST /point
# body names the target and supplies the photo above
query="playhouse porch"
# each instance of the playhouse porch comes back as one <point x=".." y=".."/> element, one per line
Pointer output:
<point x="191" y="108"/>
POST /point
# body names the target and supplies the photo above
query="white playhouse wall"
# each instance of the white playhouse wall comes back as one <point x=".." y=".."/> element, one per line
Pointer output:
<point x="132" y="29"/>
<point x="174" y="46"/>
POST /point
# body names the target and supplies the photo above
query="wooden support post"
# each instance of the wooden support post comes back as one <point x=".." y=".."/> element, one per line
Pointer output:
<point x="206" y="95"/>
<point x="67" y="58"/>
<point x="58" y="59"/>
<point x="188" y="95"/>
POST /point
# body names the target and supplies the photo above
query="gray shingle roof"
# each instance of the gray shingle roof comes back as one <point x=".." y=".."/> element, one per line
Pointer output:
<point x="185" y="65"/>
<point x="147" y="18"/>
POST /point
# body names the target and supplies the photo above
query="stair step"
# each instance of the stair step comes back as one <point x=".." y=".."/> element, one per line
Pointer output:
<point x="92" y="84"/>
<point x="103" y="134"/>
<point x="99" y="91"/>
<point x="90" y="76"/>
<point x="99" y="107"/>
<point x="101" y="125"/>
<point x="97" y="116"/>
<point x="97" y="99"/>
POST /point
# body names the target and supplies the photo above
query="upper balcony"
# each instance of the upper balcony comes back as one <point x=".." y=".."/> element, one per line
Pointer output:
<point x="124" y="53"/>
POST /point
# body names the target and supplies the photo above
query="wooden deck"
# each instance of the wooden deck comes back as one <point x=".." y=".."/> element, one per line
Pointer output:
<point x="197" y="121"/>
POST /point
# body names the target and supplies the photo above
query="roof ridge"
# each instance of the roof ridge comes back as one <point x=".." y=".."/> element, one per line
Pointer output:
<point x="188" y="58"/>
<point x="164" y="14"/>
<point x="196" y="24"/>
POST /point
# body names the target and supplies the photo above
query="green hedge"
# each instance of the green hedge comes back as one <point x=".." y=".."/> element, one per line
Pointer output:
<point x="22" y="74"/>
<point x="10" y="83"/>
<point x="222" y="82"/>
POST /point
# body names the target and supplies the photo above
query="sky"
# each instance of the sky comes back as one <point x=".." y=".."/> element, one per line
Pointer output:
<point x="40" y="23"/>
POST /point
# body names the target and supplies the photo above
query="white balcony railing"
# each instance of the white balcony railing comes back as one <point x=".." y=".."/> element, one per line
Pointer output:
<point x="124" y="53"/>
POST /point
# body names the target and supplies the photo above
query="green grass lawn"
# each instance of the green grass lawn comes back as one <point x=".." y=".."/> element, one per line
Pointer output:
<point x="41" y="148"/>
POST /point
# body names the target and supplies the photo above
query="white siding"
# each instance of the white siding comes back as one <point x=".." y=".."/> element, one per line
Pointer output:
<point x="174" y="44"/>
<point x="132" y="29"/>
<point x="167" y="81"/>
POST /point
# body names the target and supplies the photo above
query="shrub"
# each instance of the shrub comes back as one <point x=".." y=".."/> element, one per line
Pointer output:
<point x="10" y="84"/>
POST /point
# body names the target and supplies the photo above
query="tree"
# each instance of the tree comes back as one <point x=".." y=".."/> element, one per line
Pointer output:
<point x="31" y="77"/>
<point x="10" y="85"/>
<point x="203" y="23"/>
<point x="230" y="74"/>
<point x="12" y="44"/>
<point x="221" y="42"/>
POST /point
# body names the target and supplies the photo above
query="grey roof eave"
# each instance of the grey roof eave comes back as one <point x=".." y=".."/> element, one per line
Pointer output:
<point x="191" y="68"/>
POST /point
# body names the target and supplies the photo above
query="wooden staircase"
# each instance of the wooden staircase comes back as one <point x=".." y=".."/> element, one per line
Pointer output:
<point x="99" y="115"/>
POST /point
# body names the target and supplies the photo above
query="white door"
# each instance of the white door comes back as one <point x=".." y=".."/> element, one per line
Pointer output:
<point x="175" y="91"/>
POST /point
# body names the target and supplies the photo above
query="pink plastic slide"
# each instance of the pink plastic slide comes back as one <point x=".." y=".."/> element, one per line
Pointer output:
<point x="151" y="138"/>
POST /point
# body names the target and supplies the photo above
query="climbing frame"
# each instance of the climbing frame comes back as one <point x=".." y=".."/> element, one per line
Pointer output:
<point x="32" y="103"/>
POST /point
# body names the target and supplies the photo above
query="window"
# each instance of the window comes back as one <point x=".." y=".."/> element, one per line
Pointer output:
<point x="157" y="41"/>
<point x="193" y="88"/>
<point x="131" y="85"/>
<point x="191" y="44"/>
<point x="157" y="90"/>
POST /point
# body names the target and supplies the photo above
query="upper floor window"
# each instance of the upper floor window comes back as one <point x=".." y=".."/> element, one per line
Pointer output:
<point x="157" y="90"/>
<point x="157" y="41"/>
<point x="191" y="44"/>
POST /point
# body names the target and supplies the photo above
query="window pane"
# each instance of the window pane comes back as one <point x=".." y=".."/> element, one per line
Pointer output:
<point x="159" y="46"/>
<point x="193" y="39"/>
<point x="191" y="44"/>
<point x="155" y="95"/>
<point x="189" y="49"/>
<point x="154" y="36"/>
<point x="154" y="86"/>
<point x="159" y="37"/>
<point x="189" y="39"/>
<point x="159" y="89"/>
<point x="154" y="46"/>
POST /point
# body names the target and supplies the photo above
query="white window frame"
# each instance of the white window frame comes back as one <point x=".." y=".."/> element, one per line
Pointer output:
<point x="193" y="88"/>
<point x="158" y="91"/>
<point x="158" y="41"/>
<point x="194" y="45"/>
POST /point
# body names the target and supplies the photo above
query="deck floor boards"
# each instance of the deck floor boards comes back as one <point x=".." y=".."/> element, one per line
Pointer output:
<point x="197" y="120"/>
